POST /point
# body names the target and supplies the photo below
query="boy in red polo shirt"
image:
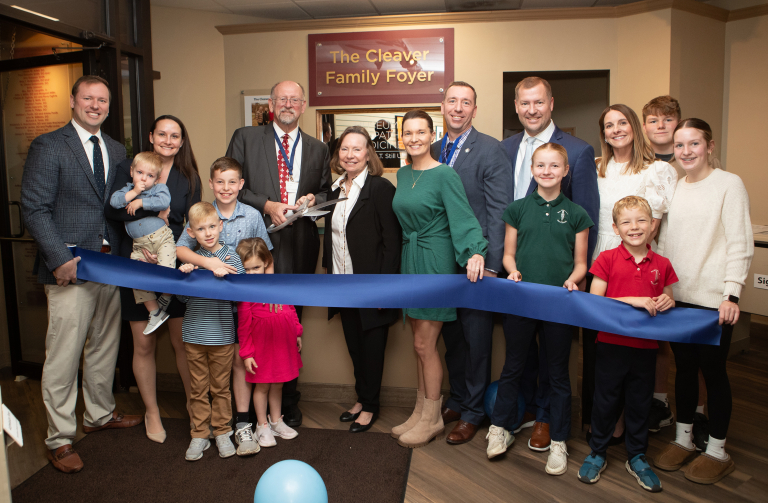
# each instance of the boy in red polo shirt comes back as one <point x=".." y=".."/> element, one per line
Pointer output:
<point x="626" y="366"/>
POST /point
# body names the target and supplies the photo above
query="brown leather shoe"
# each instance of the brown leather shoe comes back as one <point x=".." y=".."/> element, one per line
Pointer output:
<point x="462" y="433"/>
<point x="65" y="459"/>
<point x="449" y="415"/>
<point x="708" y="469"/>
<point x="118" y="421"/>
<point x="540" y="437"/>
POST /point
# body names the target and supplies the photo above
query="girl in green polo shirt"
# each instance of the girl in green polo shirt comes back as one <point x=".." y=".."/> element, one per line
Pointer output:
<point x="546" y="243"/>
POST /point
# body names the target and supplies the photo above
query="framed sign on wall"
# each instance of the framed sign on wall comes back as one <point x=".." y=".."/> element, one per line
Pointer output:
<point x="382" y="67"/>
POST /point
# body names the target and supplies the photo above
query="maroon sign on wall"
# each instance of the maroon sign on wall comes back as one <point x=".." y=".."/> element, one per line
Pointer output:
<point x="381" y="67"/>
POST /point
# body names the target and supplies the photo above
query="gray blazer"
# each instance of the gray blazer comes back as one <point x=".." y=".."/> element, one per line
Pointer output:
<point x="254" y="148"/>
<point x="59" y="199"/>
<point x="486" y="173"/>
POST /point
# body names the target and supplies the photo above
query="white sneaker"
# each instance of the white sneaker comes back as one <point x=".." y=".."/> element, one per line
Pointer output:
<point x="264" y="435"/>
<point x="226" y="448"/>
<point x="156" y="319"/>
<point x="281" y="429"/>
<point x="499" y="440"/>
<point x="246" y="445"/>
<point x="196" y="448"/>
<point x="557" y="462"/>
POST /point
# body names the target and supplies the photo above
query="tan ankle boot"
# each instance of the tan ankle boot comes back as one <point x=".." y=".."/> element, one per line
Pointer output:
<point x="411" y="422"/>
<point x="429" y="426"/>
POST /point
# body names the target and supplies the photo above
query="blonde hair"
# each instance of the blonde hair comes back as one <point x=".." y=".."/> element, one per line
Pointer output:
<point x="254" y="247"/>
<point x="201" y="211"/>
<point x="630" y="202"/>
<point x="375" y="167"/>
<point x="642" y="153"/>
<point x="554" y="147"/>
<point x="149" y="159"/>
<point x="530" y="82"/>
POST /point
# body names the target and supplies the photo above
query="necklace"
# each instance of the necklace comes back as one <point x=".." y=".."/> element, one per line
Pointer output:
<point x="417" y="179"/>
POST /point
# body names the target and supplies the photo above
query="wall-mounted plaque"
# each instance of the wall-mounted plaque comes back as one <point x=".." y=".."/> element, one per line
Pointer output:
<point x="382" y="67"/>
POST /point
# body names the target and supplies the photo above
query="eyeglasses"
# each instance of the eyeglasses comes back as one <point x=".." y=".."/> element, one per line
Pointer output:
<point x="284" y="100"/>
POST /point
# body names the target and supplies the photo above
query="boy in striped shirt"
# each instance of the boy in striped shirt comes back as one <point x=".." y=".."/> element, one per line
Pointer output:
<point x="208" y="332"/>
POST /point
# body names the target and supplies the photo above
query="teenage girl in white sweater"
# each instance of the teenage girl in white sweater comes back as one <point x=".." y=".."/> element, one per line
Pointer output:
<point x="708" y="239"/>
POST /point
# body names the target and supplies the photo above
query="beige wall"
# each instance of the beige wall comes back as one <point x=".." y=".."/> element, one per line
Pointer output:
<point x="698" y="59"/>
<point x="746" y="107"/>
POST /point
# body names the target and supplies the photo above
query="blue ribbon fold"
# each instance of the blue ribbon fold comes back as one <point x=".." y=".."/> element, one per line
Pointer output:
<point x="531" y="300"/>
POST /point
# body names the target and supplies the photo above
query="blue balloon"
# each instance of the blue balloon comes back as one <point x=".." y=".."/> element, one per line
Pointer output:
<point x="490" y="402"/>
<point x="290" y="481"/>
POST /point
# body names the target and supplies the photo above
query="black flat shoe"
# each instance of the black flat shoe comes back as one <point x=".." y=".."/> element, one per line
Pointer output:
<point x="293" y="417"/>
<point x="347" y="417"/>
<point x="359" y="428"/>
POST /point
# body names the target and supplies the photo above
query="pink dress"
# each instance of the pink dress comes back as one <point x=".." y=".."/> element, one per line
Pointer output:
<point x="270" y="339"/>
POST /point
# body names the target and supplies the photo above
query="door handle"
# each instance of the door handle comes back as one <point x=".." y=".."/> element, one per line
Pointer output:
<point x="21" y="220"/>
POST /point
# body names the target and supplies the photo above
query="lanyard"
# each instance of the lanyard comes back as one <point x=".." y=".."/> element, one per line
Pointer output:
<point x="442" y="150"/>
<point x="288" y="162"/>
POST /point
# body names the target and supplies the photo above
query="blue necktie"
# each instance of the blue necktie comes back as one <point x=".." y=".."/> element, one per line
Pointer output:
<point x="98" y="173"/>
<point x="446" y="152"/>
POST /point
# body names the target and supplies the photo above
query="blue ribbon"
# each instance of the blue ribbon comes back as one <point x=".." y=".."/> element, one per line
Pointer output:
<point x="288" y="162"/>
<point x="450" y="155"/>
<point x="541" y="302"/>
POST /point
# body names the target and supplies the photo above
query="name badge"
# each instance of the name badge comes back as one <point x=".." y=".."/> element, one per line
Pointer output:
<point x="291" y="187"/>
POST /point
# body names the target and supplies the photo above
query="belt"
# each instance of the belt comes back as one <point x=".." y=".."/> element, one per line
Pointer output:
<point x="106" y="249"/>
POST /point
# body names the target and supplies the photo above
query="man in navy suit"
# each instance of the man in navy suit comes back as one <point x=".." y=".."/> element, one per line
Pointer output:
<point x="486" y="174"/>
<point x="534" y="104"/>
<point x="67" y="179"/>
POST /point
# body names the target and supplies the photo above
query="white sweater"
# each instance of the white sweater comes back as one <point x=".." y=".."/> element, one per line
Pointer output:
<point x="707" y="236"/>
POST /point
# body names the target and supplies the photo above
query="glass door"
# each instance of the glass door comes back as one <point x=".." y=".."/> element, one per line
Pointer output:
<point x="35" y="100"/>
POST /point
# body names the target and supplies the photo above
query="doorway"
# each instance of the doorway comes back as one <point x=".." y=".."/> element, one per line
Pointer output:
<point x="580" y="98"/>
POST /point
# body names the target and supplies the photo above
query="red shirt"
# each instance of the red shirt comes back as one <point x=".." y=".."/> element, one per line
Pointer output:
<point x="626" y="278"/>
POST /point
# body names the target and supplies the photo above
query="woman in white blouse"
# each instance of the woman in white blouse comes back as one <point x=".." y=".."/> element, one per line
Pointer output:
<point x="627" y="167"/>
<point x="362" y="236"/>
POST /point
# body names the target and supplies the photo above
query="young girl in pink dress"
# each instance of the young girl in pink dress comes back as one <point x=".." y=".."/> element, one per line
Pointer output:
<point x="270" y="342"/>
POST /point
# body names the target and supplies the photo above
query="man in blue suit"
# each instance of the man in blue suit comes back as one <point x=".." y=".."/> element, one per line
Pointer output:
<point x="534" y="104"/>
<point x="486" y="174"/>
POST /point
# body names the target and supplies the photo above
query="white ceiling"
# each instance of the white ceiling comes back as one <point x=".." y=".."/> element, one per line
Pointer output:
<point x="287" y="10"/>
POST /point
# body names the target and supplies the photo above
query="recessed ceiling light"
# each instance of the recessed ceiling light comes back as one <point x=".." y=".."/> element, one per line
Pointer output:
<point x="35" y="13"/>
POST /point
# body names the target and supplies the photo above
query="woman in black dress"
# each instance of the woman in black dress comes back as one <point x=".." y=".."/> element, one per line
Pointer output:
<point x="168" y="138"/>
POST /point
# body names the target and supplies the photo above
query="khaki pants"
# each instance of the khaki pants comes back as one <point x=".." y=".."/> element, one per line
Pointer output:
<point x="82" y="320"/>
<point x="160" y="243"/>
<point x="210" y="368"/>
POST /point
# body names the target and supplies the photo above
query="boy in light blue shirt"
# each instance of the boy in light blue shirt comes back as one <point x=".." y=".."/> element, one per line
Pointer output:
<point x="150" y="233"/>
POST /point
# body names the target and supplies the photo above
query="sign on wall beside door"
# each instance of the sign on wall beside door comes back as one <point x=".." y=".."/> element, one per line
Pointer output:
<point x="382" y="67"/>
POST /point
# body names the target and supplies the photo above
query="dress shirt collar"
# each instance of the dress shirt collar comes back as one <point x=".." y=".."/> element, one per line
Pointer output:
<point x="359" y="180"/>
<point x="544" y="136"/>
<point x="239" y="211"/>
<point x="291" y="135"/>
<point x="85" y="136"/>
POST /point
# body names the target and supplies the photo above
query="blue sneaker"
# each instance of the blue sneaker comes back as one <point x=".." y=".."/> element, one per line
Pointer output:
<point x="639" y="467"/>
<point x="593" y="466"/>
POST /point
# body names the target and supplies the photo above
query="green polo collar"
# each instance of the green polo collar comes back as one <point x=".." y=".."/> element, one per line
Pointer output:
<point x="541" y="202"/>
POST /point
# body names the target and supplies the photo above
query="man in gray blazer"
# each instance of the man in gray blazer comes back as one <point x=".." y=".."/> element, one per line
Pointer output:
<point x="67" y="179"/>
<point x="486" y="173"/>
<point x="277" y="181"/>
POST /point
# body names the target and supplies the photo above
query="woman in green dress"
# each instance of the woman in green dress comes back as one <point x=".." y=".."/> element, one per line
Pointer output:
<point x="440" y="232"/>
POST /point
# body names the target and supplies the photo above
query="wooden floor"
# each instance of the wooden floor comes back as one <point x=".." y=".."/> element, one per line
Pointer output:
<point x="444" y="473"/>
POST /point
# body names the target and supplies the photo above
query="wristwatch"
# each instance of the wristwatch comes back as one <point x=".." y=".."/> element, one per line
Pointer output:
<point x="733" y="298"/>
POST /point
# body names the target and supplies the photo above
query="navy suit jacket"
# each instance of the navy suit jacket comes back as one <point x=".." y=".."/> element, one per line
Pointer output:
<point x="486" y="174"/>
<point x="60" y="200"/>
<point x="579" y="185"/>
